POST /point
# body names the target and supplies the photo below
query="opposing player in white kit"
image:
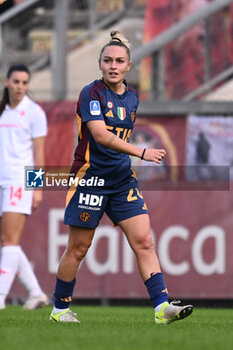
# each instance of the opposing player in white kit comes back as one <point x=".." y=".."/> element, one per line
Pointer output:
<point x="23" y="128"/>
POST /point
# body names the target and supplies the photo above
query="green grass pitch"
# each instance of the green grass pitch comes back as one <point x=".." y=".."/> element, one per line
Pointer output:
<point x="110" y="328"/>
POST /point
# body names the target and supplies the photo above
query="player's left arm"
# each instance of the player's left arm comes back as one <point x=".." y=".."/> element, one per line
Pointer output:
<point x="109" y="140"/>
<point x="39" y="161"/>
<point x="2" y="1"/>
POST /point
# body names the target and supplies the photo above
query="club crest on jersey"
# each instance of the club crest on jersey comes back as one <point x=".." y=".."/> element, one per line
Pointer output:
<point x="22" y="113"/>
<point x="85" y="216"/>
<point x="95" y="108"/>
<point x="110" y="104"/>
<point x="121" y="112"/>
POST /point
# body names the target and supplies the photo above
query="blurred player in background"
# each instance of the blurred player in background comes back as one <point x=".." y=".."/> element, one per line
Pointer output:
<point x="106" y="114"/>
<point x="23" y="128"/>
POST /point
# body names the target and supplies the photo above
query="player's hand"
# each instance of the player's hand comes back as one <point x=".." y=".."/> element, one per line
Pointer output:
<point x="2" y="1"/>
<point x="154" y="155"/>
<point x="37" y="199"/>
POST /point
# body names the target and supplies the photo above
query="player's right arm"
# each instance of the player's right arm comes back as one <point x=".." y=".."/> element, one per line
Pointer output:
<point x="109" y="140"/>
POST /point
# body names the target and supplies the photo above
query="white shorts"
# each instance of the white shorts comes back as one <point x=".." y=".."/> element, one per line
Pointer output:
<point x="13" y="198"/>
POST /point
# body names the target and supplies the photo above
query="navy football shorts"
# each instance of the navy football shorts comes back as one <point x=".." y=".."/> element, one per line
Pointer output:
<point x="85" y="208"/>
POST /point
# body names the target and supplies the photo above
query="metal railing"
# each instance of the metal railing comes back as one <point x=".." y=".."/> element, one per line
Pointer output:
<point x="92" y="23"/>
<point x="14" y="26"/>
<point x="36" y="18"/>
<point x="156" y="47"/>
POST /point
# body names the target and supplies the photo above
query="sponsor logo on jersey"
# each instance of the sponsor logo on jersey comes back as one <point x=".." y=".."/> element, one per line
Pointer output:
<point x="110" y="104"/>
<point x="90" y="199"/>
<point x="85" y="216"/>
<point x="109" y="114"/>
<point x="95" y="108"/>
<point x="35" y="178"/>
<point x="121" y="113"/>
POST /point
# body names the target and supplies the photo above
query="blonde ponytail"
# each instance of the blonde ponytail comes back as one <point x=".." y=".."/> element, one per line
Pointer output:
<point x="117" y="36"/>
<point x="117" y="39"/>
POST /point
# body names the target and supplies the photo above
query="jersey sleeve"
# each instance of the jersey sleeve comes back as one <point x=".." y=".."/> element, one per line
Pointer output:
<point x="89" y="107"/>
<point x="39" y="123"/>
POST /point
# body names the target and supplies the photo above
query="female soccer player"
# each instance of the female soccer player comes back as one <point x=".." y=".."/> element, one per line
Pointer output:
<point x="106" y="114"/>
<point x="23" y="128"/>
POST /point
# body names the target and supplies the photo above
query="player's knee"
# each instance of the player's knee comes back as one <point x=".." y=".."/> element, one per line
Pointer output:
<point x="148" y="243"/>
<point x="145" y="243"/>
<point x="81" y="251"/>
